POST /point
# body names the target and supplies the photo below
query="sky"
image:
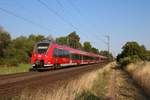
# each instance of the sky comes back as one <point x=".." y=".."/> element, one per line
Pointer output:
<point x="122" y="20"/>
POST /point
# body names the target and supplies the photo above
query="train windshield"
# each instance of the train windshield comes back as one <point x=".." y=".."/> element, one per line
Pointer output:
<point x="42" y="47"/>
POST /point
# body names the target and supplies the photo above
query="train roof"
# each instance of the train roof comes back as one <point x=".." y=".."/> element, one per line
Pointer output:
<point x="72" y="50"/>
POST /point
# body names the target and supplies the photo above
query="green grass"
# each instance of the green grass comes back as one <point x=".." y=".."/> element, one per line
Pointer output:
<point x="15" y="69"/>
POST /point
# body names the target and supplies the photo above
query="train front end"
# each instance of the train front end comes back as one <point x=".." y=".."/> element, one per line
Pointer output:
<point x="40" y="56"/>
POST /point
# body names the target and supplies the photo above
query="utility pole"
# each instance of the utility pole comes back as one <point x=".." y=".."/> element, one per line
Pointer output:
<point x="68" y="41"/>
<point x="108" y="44"/>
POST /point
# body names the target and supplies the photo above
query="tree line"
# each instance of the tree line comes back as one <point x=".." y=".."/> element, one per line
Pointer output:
<point x="133" y="52"/>
<point x="18" y="50"/>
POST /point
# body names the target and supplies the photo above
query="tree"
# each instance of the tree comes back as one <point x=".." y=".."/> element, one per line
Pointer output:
<point x="62" y="40"/>
<point x="87" y="46"/>
<point x="5" y="40"/>
<point x="106" y="54"/>
<point x="36" y="38"/>
<point x="133" y="48"/>
<point x="74" y="40"/>
<point x="148" y="55"/>
<point x="94" y="50"/>
<point x="132" y="52"/>
<point x="32" y="39"/>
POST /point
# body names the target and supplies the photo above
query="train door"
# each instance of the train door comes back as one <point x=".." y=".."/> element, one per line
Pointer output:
<point x="81" y="59"/>
<point x="70" y="58"/>
<point x="55" y="56"/>
<point x="60" y="56"/>
<point x="66" y="56"/>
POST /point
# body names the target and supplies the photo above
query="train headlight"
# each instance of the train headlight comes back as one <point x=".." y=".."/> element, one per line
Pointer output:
<point x="45" y="55"/>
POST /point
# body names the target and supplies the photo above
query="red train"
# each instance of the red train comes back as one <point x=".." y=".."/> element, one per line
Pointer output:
<point x="48" y="54"/>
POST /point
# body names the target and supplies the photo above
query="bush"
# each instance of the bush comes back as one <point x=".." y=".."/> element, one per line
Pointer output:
<point x="124" y="61"/>
<point x="11" y="62"/>
<point x="131" y="53"/>
<point x="1" y="61"/>
<point x="127" y="60"/>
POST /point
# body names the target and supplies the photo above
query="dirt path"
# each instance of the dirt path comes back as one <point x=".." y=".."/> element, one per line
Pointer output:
<point x="122" y="87"/>
<point x="112" y="86"/>
<point x="127" y="89"/>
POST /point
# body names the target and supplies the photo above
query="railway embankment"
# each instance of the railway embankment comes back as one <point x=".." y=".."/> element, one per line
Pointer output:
<point x="140" y="72"/>
<point x="96" y="82"/>
<point x="92" y="86"/>
<point x="14" y="84"/>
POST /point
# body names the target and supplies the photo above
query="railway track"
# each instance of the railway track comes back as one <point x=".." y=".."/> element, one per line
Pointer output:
<point x="13" y="85"/>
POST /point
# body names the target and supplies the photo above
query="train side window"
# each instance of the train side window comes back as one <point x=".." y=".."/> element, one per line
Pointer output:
<point x="66" y="53"/>
<point x="55" y="52"/>
<point x="60" y="52"/>
<point x="79" y="57"/>
<point x="76" y="56"/>
<point x="73" y="56"/>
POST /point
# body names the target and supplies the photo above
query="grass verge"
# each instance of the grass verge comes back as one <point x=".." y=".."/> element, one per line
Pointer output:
<point x="15" y="69"/>
<point x="140" y="72"/>
<point x="127" y="89"/>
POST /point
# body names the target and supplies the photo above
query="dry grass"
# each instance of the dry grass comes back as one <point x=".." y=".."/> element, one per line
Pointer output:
<point x="141" y="73"/>
<point x="92" y="85"/>
<point x="65" y="92"/>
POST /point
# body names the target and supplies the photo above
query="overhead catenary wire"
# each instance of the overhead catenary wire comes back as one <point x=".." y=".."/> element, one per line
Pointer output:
<point x="77" y="10"/>
<point x="57" y="14"/>
<point x="60" y="4"/>
<point x="63" y="8"/>
<point x="37" y="24"/>
<point x="24" y="19"/>
<point x="95" y="36"/>
<point x="74" y="6"/>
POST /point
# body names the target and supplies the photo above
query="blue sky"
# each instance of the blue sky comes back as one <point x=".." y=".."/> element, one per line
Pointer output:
<point x="123" y="20"/>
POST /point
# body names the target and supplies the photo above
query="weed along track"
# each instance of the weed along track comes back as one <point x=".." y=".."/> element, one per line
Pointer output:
<point x="13" y="85"/>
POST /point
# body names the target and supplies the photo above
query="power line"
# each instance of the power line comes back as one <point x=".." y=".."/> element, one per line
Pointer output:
<point x="63" y="8"/>
<point x="23" y="18"/>
<point x="57" y="14"/>
<point x="108" y="42"/>
<point x="59" y="3"/>
<point x="71" y="3"/>
<point x="74" y="6"/>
